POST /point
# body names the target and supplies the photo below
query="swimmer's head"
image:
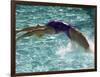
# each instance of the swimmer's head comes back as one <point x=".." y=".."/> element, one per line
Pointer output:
<point x="59" y="25"/>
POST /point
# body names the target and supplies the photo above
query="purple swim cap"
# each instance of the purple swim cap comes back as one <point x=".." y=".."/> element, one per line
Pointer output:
<point x="59" y="25"/>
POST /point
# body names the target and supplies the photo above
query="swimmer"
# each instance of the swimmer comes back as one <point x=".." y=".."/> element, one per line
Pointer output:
<point x="56" y="26"/>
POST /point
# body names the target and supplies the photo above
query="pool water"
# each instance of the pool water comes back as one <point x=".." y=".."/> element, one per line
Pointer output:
<point x="53" y="52"/>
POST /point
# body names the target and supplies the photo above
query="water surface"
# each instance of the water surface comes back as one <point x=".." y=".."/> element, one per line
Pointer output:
<point x="53" y="52"/>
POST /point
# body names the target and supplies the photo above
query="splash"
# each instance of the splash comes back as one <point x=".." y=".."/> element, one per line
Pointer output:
<point x="91" y="48"/>
<point x="74" y="47"/>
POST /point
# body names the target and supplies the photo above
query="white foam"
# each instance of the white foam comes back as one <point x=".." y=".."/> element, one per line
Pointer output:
<point x="91" y="44"/>
<point x="62" y="50"/>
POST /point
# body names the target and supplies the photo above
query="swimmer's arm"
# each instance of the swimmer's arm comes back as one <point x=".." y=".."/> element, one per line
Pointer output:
<point x="78" y="37"/>
<point x="30" y="29"/>
<point x="38" y="31"/>
<point x="37" y="28"/>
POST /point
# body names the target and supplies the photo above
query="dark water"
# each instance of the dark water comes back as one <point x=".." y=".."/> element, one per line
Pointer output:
<point x="53" y="52"/>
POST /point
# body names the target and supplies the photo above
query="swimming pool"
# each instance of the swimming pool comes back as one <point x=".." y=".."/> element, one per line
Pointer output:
<point x="53" y="52"/>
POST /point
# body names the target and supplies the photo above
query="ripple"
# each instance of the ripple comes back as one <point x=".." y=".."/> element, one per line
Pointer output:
<point x="52" y="52"/>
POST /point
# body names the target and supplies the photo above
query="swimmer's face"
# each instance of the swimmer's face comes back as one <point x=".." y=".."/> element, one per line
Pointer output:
<point x="49" y="30"/>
